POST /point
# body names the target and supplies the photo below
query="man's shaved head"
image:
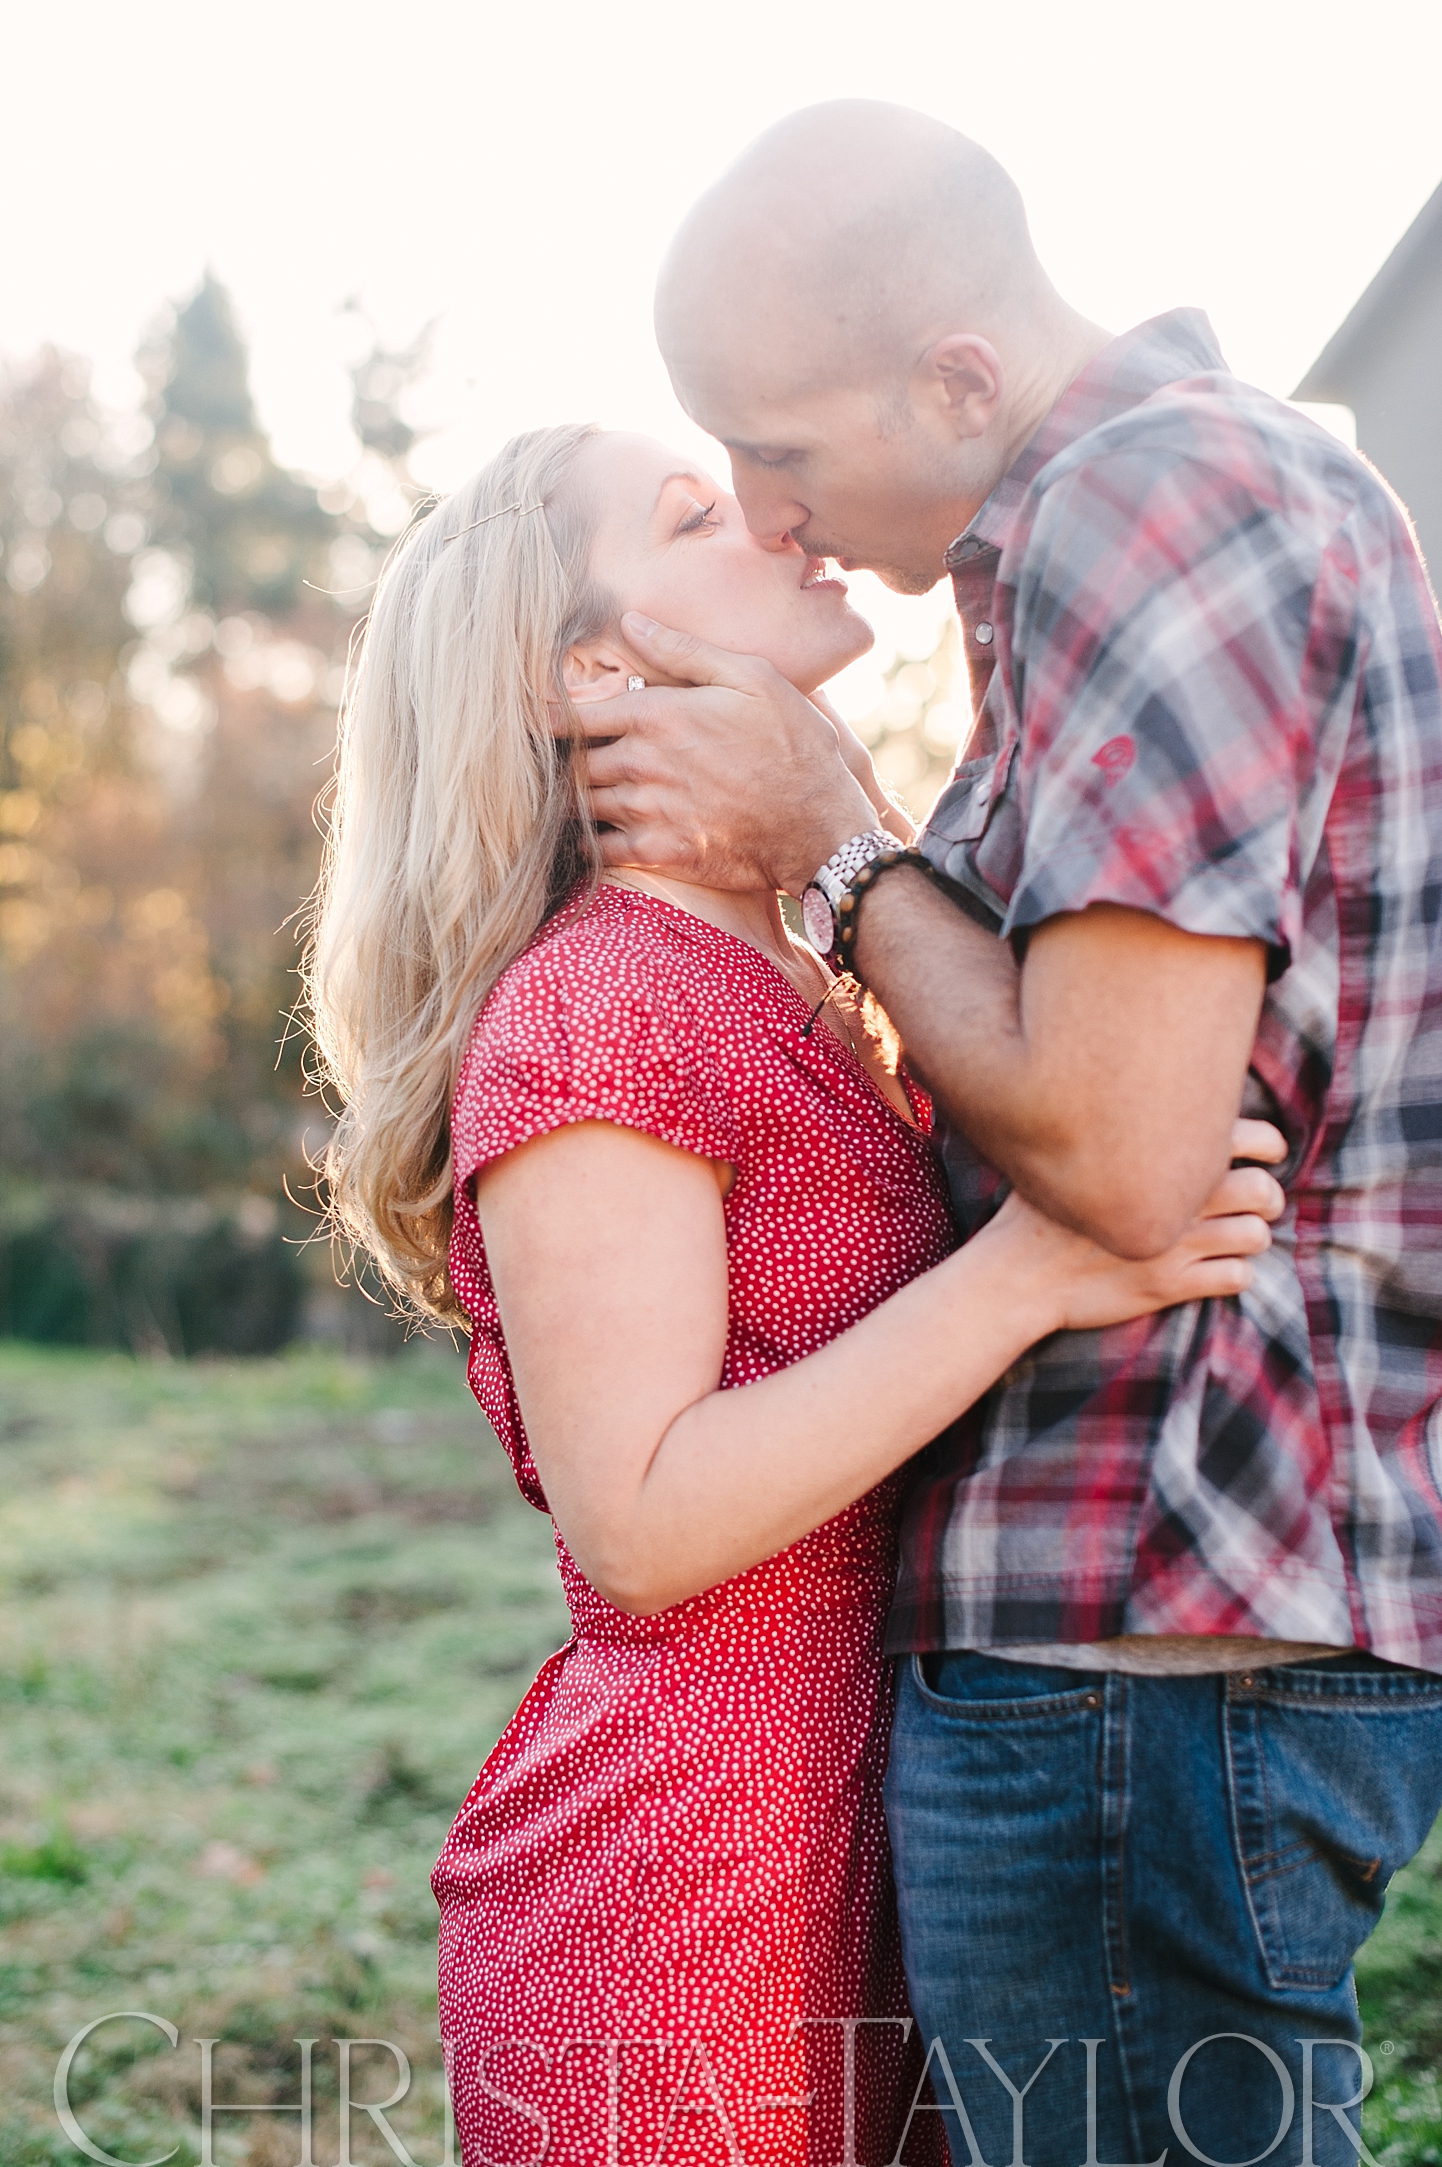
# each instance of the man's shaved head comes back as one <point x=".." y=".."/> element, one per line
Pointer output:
<point x="857" y="230"/>
<point x="856" y="311"/>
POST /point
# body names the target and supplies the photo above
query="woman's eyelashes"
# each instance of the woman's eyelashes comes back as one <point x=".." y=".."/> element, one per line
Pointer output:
<point x="698" y="519"/>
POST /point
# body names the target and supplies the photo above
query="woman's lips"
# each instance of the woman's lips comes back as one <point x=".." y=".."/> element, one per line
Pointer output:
<point x="816" y="581"/>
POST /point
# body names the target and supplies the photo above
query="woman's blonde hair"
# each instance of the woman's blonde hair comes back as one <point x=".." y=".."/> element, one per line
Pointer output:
<point x="455" y="831"/>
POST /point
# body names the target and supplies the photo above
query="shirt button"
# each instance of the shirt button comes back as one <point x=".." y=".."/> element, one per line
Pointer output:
<point x="983" y="792"/>
<point x="985" y="634"/>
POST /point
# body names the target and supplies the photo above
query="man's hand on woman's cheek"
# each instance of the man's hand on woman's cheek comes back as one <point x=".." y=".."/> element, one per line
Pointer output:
<point x="728" y="776"/>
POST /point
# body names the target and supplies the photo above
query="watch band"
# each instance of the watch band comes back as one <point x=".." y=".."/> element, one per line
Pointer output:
<point x="822" y="895"/>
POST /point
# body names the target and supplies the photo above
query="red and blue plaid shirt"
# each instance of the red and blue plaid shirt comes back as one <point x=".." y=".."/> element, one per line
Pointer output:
<point x="1207" y="670"/>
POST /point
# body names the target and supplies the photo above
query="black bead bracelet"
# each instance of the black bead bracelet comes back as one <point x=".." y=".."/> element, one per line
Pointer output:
<point x="848" y="910"/>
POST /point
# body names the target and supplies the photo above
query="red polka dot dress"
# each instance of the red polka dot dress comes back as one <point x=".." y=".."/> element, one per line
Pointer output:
<point x="667" y="1928"/>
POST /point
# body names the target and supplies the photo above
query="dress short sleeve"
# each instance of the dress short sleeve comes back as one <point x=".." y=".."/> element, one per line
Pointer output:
<point x="1167" y="677"/>
<point x="590" y="1028"/>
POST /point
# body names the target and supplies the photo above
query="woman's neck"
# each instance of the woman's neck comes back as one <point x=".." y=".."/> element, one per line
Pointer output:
<point x="752" y="914"/>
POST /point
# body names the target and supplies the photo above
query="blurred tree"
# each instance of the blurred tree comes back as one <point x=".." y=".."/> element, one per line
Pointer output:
<point x="243" y="657"/>
<point x="80" y="818"/>
<point x="247" y="531"/>
<point x="379" y="383"/>
<point x="171" y="656"/>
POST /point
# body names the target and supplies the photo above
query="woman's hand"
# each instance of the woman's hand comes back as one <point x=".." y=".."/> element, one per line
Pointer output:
<point x="1086" y="1286"/>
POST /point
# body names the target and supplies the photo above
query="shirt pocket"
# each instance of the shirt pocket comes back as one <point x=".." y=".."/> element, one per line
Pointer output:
<point x="968" y="803"/>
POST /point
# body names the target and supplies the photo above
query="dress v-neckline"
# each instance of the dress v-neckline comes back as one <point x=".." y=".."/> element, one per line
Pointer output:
<point x="845" y="1051"/>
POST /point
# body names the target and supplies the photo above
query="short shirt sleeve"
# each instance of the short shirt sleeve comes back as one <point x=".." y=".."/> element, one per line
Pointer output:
<point x="573" y="1035"/>
<point x="1171" y="629"/>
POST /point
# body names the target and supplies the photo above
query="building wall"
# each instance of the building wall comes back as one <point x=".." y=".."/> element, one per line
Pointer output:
<point x="1394" y="386"/>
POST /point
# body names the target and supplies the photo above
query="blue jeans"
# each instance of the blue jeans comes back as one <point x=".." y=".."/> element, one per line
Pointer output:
<point x="1169" y="1876"/>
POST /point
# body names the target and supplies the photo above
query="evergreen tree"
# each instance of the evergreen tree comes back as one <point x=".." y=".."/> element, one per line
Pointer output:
<point x="80" y="821"/>
<point x="379" y="383"/>
<point x="249" y="531"/>
<point x="168" y="682"/>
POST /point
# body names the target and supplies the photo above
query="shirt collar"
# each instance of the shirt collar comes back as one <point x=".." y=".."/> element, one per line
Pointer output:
<point x="1166" y="350"/>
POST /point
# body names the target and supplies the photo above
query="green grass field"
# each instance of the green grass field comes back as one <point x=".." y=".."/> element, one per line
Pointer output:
<point x="259" y="1624"/>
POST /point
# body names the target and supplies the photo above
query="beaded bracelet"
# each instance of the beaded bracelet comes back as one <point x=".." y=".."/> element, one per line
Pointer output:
<point x="848" y="910"/>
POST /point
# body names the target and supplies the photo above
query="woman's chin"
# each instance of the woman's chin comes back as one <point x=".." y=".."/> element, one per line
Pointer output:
<point x="854" y="641"/>
<point x="825" y="657"/>
<point x="862" y="636"/>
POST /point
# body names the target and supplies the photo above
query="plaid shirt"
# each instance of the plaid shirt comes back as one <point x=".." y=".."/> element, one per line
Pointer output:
<point x="1207" y="670"/>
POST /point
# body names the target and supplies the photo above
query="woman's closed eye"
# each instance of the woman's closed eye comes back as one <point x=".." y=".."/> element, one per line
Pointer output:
<point x="699" y="519"/>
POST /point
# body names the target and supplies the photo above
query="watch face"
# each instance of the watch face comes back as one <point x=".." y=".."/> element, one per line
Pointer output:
<point x="818" y="921"/>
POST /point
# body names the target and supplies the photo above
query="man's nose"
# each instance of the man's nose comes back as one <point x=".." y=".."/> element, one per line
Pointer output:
<point x="770" y="514"/>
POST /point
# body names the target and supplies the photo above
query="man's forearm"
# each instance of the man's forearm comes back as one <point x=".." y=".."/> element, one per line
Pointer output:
<point x="1103" y="1080"/>
<point x="952" y="990"/>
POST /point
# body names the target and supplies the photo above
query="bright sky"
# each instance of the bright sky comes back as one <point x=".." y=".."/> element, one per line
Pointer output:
<point x="515" y="167"/>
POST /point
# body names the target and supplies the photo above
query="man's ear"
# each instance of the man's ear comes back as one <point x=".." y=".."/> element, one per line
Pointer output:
<point x="963" y="374"/>
<point x="595" y="669"/>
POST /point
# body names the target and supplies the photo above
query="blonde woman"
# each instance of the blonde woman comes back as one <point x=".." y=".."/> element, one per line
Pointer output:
<point x="641" y="1144"/>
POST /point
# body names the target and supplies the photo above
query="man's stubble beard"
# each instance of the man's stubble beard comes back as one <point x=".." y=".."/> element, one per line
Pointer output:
<point x="900" y="578"/>
<point x="902" y="581"/>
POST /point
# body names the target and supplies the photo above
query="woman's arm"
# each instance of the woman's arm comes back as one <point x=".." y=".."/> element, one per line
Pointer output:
<point x="608" y="1253"/>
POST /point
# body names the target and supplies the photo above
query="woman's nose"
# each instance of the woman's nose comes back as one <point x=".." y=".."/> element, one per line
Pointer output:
<point x="783" y="544"/>
<point x="771" y="535"/>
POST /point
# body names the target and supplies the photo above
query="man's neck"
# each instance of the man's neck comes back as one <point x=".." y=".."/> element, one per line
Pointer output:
<point x="1041" y="357"/>
<point x="1046" y="359"/>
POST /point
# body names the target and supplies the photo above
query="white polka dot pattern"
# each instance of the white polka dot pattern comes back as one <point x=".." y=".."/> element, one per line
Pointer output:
<point x="679" y="1838"/>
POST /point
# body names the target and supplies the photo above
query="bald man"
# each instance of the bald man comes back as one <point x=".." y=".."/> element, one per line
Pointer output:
<point x="1171" y="1601"/>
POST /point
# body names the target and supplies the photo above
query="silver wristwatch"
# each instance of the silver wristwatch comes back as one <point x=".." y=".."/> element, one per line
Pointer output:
<point x="820" y="897"/>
